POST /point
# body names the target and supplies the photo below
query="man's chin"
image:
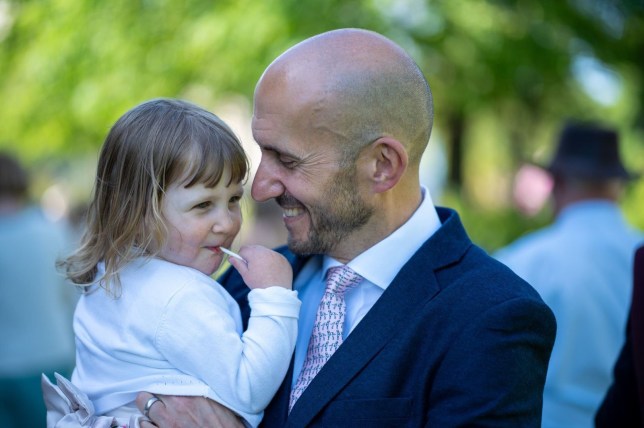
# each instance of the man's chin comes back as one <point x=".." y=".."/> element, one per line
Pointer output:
<point x="297" y="247"/>
<point x="306" y="248"/>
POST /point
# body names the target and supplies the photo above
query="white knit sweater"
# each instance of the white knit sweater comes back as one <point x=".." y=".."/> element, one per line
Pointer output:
<point x="176" y="331"/>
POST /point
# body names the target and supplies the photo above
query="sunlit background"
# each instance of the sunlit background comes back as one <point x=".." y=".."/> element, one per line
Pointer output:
<point x="505" y="74"/>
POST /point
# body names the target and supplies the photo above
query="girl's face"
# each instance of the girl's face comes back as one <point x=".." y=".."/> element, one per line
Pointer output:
<point x="200" y="220"/>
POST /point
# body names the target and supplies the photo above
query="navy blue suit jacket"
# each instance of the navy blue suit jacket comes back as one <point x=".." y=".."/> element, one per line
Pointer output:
<point x="457" y="339"/>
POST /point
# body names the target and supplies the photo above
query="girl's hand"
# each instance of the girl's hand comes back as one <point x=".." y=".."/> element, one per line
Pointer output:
<point x="263" y="268"/>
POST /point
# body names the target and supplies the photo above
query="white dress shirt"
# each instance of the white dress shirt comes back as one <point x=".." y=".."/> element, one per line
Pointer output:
<point x="378" y="265"/>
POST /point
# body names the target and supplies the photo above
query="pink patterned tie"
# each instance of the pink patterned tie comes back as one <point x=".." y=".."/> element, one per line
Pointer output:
<point x="327" y="331"/>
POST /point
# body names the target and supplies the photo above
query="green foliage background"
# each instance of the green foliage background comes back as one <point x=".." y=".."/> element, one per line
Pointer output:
<point x="501" y="72"/>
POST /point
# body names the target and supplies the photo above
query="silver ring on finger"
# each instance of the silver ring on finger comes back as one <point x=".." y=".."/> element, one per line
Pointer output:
<point x="149" y="404"/>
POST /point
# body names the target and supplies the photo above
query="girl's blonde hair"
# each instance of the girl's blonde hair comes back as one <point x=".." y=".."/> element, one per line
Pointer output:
<point x="149" y="148"/>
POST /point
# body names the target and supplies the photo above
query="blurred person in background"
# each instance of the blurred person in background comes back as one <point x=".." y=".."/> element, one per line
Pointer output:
<point x="36" y="305"/>
<point x="581" y="265"/>
<point x="623" y="405"/>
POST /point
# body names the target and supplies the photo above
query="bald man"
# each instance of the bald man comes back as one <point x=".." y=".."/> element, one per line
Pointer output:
<point x="435" y="332"/>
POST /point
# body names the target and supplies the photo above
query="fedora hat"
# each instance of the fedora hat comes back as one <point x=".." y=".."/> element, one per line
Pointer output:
<point x="588" y="151"/>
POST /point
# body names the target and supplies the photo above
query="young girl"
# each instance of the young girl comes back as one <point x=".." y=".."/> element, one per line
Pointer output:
<point x="166" y="200"/>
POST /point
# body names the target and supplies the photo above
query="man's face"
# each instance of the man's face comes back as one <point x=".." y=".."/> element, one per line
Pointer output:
<point x="301" y="169"/>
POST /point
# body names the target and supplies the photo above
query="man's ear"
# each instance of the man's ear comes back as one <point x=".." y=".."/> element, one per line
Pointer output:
<point x="387" y="163"/>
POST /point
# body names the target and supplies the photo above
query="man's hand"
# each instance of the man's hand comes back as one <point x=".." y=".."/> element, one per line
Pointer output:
<point x="186" y="412"/>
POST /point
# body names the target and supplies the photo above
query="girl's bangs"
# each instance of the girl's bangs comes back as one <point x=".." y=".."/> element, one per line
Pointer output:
<point x="208" y="158"/>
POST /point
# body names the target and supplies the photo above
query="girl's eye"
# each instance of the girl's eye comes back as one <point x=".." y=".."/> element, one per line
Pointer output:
<point x="202" y="205"/>
<point x="235" y="199"/>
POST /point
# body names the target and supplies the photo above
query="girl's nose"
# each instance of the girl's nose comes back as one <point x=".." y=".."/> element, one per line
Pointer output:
<point x="227" y="222"/>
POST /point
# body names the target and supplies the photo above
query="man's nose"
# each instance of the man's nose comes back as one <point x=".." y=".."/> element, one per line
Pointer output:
<point x="267" y="183"/>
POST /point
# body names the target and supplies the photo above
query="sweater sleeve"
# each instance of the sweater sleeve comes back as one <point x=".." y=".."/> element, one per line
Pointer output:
<point x="200" y="334"/>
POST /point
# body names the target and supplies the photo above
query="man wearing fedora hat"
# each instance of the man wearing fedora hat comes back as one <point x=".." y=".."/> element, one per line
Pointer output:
<point x="582" y="266"/>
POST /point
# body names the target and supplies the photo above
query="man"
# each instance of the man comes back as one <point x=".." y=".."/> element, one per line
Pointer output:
<point x="35" y="302"/>
<point x="582" y="266"/>
<point x="623" y="405"/>
<point x="435" y="332"/>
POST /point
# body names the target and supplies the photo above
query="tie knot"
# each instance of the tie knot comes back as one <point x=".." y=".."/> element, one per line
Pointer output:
<point x="340" y="278"/>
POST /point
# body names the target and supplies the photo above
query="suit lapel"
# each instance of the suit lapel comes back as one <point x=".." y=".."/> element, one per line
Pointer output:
<point x="388" y="315"/>
<point x="276" y="413"/>
<point x="414" y="285"/>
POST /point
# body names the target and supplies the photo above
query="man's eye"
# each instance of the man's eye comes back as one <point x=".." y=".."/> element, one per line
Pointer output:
<point x="289" y="163"/>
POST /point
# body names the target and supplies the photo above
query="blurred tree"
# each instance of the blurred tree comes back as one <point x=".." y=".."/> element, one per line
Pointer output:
<point x="71" y="68"/>
<point x="517" y="58"/>
<point x="504" y="72"/>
